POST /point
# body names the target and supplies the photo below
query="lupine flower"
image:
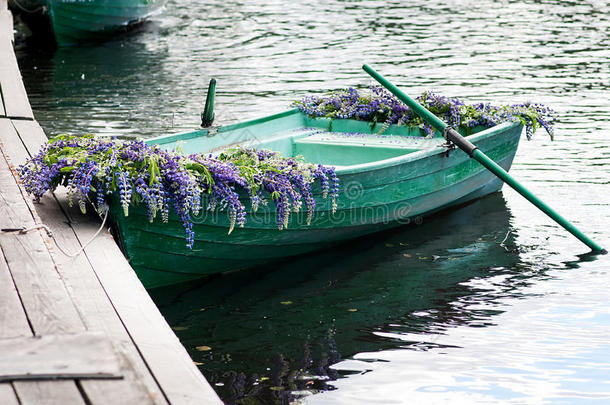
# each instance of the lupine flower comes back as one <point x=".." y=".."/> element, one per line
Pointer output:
<point x="140" y="174"/>
<point x="379" y="106"/>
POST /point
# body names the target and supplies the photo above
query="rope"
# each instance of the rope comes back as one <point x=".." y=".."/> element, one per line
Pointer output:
<point x="32" y="11"/>
<point x="25" y="230"/>
<point x="504" y="240"/>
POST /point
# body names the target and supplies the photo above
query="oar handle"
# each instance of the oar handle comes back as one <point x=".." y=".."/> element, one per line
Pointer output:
<point x="452" y="135"/>
<point x="207" y="116"/>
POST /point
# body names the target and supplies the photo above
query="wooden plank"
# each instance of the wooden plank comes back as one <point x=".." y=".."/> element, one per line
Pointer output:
<point x="30" y="392"/>
<point x="31" y="135"/>
<point x="120" y="391"/>
<point x="6" y="24"/>
<point x="13" y="321"/>
<point x="7" y="393"/>
<point x="2" y="110"/>
<point x="48" y="393"/>
<point x="11" y="27"/>
<point x="98" y="312"/>
<point x="43" y="294"/>
<point x="4" y="34"/>
<point x="167" y="359"/>
<point x="11" y="144"/>
<point x="101" y="392"/>
<point x="4" y="37"/>
<point x="16" y="103"/>
<point x="45" y="357"/>
<point x="13" y="210"/>
<point x="89" y="296"/>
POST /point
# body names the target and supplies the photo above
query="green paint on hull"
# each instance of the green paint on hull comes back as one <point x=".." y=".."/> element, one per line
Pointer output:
<point x="386" y="181"/>
<point x="75" y="22"/>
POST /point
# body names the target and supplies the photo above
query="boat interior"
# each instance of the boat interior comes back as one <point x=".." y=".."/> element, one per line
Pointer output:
<point x="340" y="143"/>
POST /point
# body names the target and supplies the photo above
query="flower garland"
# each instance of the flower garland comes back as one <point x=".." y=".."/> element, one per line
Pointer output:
<point x="378" y="105"/>
<point x="145" y="174"/>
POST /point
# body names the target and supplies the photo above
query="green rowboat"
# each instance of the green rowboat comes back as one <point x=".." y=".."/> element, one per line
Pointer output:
<point x="386" y="181"/>
<point x="73" y="22"/>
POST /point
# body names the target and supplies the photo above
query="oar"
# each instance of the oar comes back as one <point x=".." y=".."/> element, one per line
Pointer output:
<point x="453" y="136"/>
<point x="207" y="116"/>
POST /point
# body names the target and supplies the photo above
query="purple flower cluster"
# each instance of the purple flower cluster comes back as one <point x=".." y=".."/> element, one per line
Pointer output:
<point x="378" y="105"/>
<point x="287" y="181"/>
<point x="138" y="173"/>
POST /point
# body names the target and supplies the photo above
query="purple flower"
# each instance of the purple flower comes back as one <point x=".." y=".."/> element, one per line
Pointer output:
<point x="379" y="106"/>
<point x="145" y="175"/>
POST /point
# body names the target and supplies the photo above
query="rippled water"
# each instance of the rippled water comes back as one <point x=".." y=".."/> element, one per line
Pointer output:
<point x="443" y="312"/>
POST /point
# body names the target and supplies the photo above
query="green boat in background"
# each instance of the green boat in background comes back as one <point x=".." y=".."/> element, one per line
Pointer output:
<point x="72" y="22"/>
<point x="386" y="181"/>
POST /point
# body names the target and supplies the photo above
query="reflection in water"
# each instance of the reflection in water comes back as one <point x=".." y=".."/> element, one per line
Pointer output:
<point x="107" y="88"/>
<point x="441" y="313"/>
<point x="303" y="316"/>
<point x="266" y="54"/>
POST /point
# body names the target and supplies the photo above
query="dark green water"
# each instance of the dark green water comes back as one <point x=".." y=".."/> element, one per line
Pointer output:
<point x="442" y="312"/>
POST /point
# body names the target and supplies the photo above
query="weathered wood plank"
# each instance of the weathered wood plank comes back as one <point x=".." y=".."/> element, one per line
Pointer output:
<point x="131" y="390"/>
<point x="166" y="357"/>
<point x="43" y="294"/>
<point x="101" y="392"/>
<point x="31" y="392"/>
<point x="14" y="148"/>
<point x="98" y="314"/>
<point x="6" y="24"/>
<point x="89" y="296"/>
<point x="13" y="211"/>
<point x="13" y="322"/>
<point x="3" y="35"/>
<point x="16" y="103"/>
<point x="45" y="357"/>
<point x="48" y="393"/>
<point x="179" y="378"/>
<point x="7" y="393"/>
<point x="2" y="110"/>
<point x="31" y="135"/>
<point x="44" y="297"/>
<point x="11" y="144"/>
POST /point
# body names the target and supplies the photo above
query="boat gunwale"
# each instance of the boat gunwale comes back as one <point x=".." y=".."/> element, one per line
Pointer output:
<point x="340" y="170"/>
<point x="183" y="136"/>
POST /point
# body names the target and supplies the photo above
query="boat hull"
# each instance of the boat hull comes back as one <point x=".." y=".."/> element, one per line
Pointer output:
<point x="73" y="22"/>
<point x="373" y="198"/>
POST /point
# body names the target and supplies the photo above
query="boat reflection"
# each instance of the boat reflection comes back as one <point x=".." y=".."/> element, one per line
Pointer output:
<point x="273" y="333"/>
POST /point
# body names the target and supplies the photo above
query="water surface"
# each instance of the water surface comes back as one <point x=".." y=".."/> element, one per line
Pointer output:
<point x="491" y="303"/>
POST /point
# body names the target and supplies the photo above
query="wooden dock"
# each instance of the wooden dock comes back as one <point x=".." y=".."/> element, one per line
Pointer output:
<point x="73" y="330"/>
